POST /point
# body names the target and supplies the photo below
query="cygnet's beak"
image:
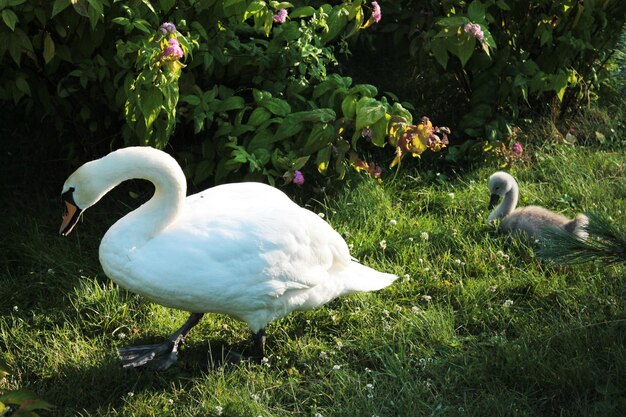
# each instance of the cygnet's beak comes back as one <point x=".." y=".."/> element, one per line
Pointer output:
<point x="493" y="201"/>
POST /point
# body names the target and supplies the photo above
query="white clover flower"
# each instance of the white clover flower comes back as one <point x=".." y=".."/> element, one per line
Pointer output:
<point x="393" y="222"/>
<point x="407" y="277"/>
<point x="383" y="244"/>
<point x="336" y="367"/>
<point x="426" y="297"/>
<point x="218" y="410"/>
<point x="322" y="215"/>
<point x="457" y="261"/>
<point x="424" y="235"/>
<point x="369" y="386"/>
<point x="415" y="309"/>
<point x="410" y="239"/>
<point x="170" y="401"/>
<point x="323" y="355"/>
<point x="51" y="271"/>
<point x="121" y="335"/>
<point x="265" y="362"/>
<point x="131" y="394"/>
<point x="451" y="195"/>
<point x="492" y="288"/>
<point x="15" y="308"/>
<point x="368" y="370"/>
<point x="507" y="303"/>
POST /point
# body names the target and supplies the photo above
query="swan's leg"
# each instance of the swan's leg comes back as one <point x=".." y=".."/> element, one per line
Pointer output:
<point x="160" y="356"/>
<point x="258" y="345"/>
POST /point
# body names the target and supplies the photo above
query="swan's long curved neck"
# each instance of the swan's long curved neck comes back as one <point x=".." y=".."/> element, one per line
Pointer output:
<point x="508" y="204"/>
<point x="161" y="210"/>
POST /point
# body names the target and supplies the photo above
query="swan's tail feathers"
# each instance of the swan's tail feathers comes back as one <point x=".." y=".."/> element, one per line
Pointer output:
<point x="578" y="226"/>
<point x="358" y="277"/>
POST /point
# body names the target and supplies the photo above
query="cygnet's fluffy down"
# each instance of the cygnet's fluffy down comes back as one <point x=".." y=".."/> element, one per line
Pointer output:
<point x="529" y="220"/>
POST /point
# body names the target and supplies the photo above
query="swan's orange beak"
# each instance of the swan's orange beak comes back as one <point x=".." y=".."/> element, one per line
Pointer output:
<point x="71" y="214"/>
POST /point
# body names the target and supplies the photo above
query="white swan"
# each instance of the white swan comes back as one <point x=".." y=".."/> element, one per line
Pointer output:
<point x="529" y="220"/>
<point x="245" y="250"/>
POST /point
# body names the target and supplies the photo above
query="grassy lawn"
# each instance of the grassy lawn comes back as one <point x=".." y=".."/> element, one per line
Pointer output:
<point x="477" y="325"/>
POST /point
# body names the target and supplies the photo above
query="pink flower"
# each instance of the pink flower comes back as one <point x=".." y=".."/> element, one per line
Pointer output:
<point x="473" y="29"/>
<point x="280" y="17"/>
<point x="517" y="149"/>
<point x="376" y="14"/>
<point x="173" y="49"/>
<point x="298" y="178"/>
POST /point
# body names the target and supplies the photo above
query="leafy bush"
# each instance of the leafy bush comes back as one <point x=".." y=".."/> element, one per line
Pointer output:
<point x="257" y="90"/>
<point x="506" y="57"/>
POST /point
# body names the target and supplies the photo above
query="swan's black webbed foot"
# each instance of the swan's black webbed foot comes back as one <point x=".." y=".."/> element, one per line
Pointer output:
<point x="159" y="356"/>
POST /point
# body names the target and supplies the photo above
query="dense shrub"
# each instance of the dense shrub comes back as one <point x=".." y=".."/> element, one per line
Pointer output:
<point x="503" y="57"/>
<point x="257" y="90"/>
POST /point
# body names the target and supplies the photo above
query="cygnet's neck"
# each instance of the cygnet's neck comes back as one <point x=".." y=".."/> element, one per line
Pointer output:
<point x="147" y="221"/>
<point x="508" y="204"/>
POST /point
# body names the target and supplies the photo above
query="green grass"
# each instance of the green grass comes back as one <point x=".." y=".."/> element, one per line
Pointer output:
<point x="477" y="325"/>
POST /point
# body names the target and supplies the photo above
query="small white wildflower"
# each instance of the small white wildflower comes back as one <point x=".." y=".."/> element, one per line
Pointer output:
<point x="170" y="401"/>
<point x="322" y="215"/>
<point x="339" y="344"/>
<point x="357" y="310"/>
<point x="507" y="303"/>
<point x="368" y="370"/>
<point x="451" y="195"/>
<point x="318" y="415"/>
<point x="420" y="260"/>
<point x="461" y="409"/>
<point x="336" y="367"/>
<point x="426" y="269"/>
<point x="457" y="261"/>
<point x="370" y="395"/>
<point x="410" y="239"/>
<point x="369" y="386"/>
<point x="350" y="246"/>
<point x="15" y="308"/>
<point x="426" y="297"/>
<point x="51" y="271"/>
<point x="121" y="335"/>
<point x="255" y="397"/>
<point x="386" y="312"/>
<point x="265" y="362"/>
<point x="415" y="309"/>
<point x="323" y="355"/>
<point x="131" y="394"/>
<point x="383" y="244"/>
<point x="492" y="288"/>
<point x="218" y="410"/>
<point x="424" y="235"/>
<point x="407" y="277"/>
<point x="393" y="222"/>
<point x="397" y="308"/>
<point x="334" y="317"/>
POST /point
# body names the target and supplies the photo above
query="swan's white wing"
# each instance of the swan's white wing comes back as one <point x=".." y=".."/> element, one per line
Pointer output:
<point x="242" y="256"/>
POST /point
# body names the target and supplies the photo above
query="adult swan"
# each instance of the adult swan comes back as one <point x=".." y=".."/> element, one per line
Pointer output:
<point x="245" y="250"/>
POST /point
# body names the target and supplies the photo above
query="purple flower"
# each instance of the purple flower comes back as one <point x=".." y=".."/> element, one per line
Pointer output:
<point x="167" y="27"/>
<point x="376" y="14"/>
<point x="517" y="149"/>
<point x="298" y="178"/>
<point x="281" y="17"/>
<point x="173" y="48"/>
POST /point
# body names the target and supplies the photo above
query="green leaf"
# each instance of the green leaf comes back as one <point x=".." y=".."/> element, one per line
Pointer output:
<point x="440" y="51"/>
<point x="299" y="12"/>
<point x="191" y="99"/>
<point x="288" y="128"/>
<point x="277" y="106"/>
<point x="22" y="85"/>
<point x="337" y="20"/>
<point x="368" y="112"/>
<point x="476" y="11"/>
<point x="59" y="6"/>
<point x="348" y="106"/>
<point x="150" y="102"/>
<point x="317" y="115"/>
<point x="462" y="47"/>
<point x="503" y="5"/>
<point x="452" y="23"/>
<point x="48" y="48"/>
<point x="231" y="103"/>
<point x="259" y="116"/>
<point x="379" y="130"/>
<point x="10" y="18"/>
